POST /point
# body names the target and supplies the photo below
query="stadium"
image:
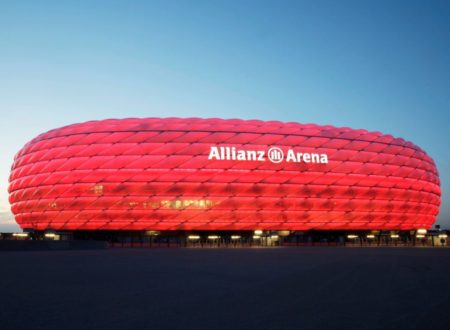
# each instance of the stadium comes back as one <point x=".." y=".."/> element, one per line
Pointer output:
<point x="221" y="180"/>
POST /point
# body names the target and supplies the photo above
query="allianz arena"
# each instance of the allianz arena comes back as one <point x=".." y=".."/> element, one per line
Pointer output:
<point x="193" y="175"/>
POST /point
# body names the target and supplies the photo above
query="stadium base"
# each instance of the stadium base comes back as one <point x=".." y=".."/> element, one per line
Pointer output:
<point x="256" y="238"/>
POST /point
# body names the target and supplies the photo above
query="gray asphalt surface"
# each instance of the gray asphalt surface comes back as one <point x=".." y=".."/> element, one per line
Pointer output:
<point x="275" y="288"/>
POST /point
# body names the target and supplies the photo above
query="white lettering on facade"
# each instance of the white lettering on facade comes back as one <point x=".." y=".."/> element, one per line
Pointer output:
<point x="274" y="155"/>
<point x="303" y="157"/>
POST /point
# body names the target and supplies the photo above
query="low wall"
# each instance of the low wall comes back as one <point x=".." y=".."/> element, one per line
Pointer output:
<point x="10" y="245"/>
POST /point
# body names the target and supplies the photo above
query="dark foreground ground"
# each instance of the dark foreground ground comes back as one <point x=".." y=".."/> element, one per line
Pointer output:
<point x="278" y="288"/>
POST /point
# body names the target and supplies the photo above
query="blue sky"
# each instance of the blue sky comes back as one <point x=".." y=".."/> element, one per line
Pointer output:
<point x="379" y="65"/>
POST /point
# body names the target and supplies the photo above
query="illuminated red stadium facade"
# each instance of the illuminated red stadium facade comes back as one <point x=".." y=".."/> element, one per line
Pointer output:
<point x="194" y="174"/>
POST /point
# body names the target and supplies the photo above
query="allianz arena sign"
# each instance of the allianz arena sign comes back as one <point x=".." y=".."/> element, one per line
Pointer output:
<point x="273" y="154"/>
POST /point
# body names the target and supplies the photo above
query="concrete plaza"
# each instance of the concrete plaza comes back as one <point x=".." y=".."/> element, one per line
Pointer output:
<point x="253" y="288"/>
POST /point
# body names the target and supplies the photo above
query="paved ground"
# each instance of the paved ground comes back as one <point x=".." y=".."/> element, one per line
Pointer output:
<point x="278" y="288"/>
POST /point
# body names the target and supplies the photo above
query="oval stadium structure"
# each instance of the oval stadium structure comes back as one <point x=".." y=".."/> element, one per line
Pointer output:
<point x="193" y="174"/>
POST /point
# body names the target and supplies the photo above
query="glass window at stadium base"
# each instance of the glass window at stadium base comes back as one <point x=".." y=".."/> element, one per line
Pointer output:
<point x="220" y="181"/>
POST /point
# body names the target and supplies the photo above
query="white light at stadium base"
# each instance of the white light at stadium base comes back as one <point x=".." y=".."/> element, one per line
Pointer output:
<point x="20" y="234"/>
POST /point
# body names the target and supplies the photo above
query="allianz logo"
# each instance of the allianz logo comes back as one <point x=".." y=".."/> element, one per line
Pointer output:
<point x="273" y="154"/>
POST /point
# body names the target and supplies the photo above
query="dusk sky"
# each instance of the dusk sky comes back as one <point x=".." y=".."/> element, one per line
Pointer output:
<point x="378" y="65"/>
